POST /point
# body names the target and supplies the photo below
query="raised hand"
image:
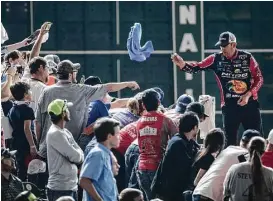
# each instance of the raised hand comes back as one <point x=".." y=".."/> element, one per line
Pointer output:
<point x="177" y="60"/>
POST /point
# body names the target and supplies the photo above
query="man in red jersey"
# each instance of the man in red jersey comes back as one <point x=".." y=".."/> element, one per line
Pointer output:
<point x="154" y="130"/>
<point x="239" y="79"/>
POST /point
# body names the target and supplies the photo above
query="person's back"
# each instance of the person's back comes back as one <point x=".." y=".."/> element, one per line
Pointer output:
<point x="127" y="135"/>
<point x="79" y="95"/>
<point x="241" y="183"/>
<point x="210" y="184"/>
<point x="250" y="180"/>
<point x="174" y="116"/>
<point x="125" y="117"/>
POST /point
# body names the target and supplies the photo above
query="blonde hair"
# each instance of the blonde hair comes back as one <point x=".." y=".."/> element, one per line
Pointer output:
<point x="133" y="106"/>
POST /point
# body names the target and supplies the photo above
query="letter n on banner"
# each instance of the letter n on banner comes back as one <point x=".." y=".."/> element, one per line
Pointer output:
<point x="188" y="39"/>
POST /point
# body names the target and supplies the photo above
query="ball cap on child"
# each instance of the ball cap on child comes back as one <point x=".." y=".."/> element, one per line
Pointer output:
<point x="250" y="133"/>
<point x="58" y="106"/>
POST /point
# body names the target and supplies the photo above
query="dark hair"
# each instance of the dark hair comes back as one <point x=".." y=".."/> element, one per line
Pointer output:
<point x="129" y="194"/>
<point x="35" y="63"/>
<point x="214" y="141"/>
<point x="26" y="56"/>
<point x="256" y="148"/>
<point x="150" y="100"/>
<point x="103" y="127"/>
<point x="13" y="55"/>
<point x="63" y="76"/>
<point x="19" y="89"/>
<point x="187" y="122"/>
<point x="55" y="118"/>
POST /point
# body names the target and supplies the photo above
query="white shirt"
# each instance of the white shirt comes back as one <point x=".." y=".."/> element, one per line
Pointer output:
<point x="211" y="184"/>
<point x="37" y="87"/>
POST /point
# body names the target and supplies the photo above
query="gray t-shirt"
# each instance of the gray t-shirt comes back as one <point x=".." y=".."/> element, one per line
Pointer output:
<point x="238" y="183"/>
<point x="63" y="153"/>
<point x="80" y="95"/>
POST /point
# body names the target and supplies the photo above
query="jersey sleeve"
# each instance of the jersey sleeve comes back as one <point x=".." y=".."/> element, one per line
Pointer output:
<point x="196" y="67"/>
<point x="256" y="76"/>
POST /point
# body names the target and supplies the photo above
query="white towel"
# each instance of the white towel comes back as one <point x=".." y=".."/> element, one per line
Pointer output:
<point x="209" y="123"/>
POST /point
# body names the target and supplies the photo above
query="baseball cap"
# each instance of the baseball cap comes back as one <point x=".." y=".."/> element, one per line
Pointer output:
<point x="182" y="103"/>
<point x="250" y="133"/>
<point x="92" y="80"/>
<point x="197" y="108"/>
<point x="226" y="38"/>
<point x="26" y="196"/>
<point x="6" y="153"/>
<point x="270" y="137"/>
<point x="161" y="93"/>
<point x="66" y="67"/>
<point x="52" y="60"/>
<point x="58" y="106"/>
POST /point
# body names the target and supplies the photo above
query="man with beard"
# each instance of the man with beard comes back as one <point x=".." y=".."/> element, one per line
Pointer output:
<point x="39" y="76"/>
<point x="11" y="185"/>
<point x="63" y="153"/>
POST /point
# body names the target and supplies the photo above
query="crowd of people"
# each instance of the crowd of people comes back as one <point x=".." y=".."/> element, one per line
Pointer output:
<point x="73" y="141"/>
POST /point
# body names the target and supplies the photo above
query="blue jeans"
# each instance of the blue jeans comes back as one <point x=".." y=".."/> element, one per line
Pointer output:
<point x="131" y="157"/>
<point x="53" y="195"/>
<point x="145" y="179"/>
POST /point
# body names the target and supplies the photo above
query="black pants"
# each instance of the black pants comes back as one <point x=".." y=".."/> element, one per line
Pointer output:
<point x="233" y="115"/>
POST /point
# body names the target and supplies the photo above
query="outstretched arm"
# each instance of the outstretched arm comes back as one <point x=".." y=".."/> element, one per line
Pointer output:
<point x="205" y="64"/>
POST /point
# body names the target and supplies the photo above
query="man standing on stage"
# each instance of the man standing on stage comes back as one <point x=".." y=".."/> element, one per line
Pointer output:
<point x="239" y="78"/>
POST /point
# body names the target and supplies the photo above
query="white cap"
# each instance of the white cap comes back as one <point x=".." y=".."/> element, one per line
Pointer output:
<point x="270" y="137"/>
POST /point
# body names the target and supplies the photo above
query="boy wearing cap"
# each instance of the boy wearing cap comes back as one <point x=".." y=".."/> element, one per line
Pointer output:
<point x="239" y="79"/>
<point x="210" y="187"/>
<point x="63" y="153"/>
<point x="267" y="157"/>
<point x="11" y="185"/>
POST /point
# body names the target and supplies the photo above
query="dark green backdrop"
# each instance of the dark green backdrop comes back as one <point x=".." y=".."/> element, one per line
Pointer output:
<point x="92" y="26"/>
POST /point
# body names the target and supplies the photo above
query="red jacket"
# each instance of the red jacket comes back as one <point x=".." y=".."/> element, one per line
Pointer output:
<point x="267" y="159"/>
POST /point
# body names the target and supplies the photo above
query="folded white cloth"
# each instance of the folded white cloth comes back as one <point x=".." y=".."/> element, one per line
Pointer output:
<point x="209" y="123"/>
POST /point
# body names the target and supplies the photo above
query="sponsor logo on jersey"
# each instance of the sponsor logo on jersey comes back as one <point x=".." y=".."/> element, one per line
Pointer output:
<point x="148" y="131"/>
<point x="237" y="70"/>
<point x="236" y="86"/>
<point x="244" y="56"/>
<point x="244" y="62"/>
<point x="237" y="65"/>
<point x="237" y="61"/>
<point x="234" y="76"/>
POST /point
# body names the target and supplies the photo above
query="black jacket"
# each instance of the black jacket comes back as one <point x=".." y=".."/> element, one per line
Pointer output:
<point x="174" y="173"/>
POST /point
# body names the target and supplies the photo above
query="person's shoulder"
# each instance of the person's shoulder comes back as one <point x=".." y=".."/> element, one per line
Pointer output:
<point x="268" y="170"/>
<point x="176" y="139"/>
<point x="96" y="152"/>
<point x="243" y="54"/>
